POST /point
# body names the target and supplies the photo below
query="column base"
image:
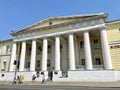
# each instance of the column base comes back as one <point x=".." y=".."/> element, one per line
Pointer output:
<point x="57" y="74"/>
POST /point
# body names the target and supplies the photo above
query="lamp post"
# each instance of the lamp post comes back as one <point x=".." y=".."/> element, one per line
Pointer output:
<point x="15" y="63"/>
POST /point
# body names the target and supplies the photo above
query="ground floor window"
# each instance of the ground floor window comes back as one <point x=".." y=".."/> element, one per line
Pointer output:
<point x="83" y="61"/>
<point x="4" y="66"/>
<point x="48" y="62"/>
<point x="98" y="61"/>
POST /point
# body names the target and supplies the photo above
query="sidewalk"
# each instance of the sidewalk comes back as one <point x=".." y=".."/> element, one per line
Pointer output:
<point x="82" y="84"/>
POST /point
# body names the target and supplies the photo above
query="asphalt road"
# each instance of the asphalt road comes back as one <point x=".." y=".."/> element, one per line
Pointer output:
<point x="44" y="87"/>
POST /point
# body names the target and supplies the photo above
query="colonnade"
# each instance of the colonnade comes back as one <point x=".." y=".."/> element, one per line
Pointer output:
<point x="56" y="52"/>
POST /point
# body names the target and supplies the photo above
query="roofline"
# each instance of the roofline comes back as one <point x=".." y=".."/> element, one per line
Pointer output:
<point x="56" y="25"/>
<point x="114" y="21"/>
<point x="60" y="17"/>
<point x="7" y="40"/>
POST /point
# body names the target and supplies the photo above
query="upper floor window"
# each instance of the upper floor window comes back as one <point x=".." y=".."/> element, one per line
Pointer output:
<point x="81" y="44"/>
<point x="4" y="65"/>
<point x="7" y="48"/>
<point x="96" y="43"/>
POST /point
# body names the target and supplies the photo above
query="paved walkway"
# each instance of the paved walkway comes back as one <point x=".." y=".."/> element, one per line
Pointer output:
<point x="83" y="84"/>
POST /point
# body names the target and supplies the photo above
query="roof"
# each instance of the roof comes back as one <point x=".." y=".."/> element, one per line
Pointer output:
<point x="7" y="40"/>
<point x="60" y="18"/>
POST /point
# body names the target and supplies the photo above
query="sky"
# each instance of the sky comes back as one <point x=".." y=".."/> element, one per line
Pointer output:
<point x="17" y="14"/>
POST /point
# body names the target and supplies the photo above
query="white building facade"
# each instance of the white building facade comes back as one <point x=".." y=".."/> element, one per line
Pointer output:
<point x="61" y="36"/>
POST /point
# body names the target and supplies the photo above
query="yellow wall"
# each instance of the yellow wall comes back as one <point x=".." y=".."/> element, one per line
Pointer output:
<point x="113" y="34"/>
<point x="5" y="56"/>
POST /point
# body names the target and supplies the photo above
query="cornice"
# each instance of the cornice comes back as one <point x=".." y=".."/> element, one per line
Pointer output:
<point x="54" y="26"/>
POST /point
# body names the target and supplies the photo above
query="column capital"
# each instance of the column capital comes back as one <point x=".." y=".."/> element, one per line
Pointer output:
<point x="57" y="36"/>
<point x="34" y="39"/>
<point x="102" y="28"/>
<point x="71" y="33"/>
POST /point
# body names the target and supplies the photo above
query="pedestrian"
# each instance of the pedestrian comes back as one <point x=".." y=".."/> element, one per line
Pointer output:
<point x="18" y="79"/>
<point x="43" y="80"/>
<point x="33" y="78"/>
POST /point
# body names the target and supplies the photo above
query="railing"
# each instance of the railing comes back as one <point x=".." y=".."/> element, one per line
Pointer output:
<point x="96" y="67"/>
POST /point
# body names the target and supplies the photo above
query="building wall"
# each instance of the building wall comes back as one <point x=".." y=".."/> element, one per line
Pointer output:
<point x="113" y="34"/>
<point x="5" y="52"/>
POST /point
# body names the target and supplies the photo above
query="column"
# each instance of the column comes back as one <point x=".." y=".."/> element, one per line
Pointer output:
<point x="57" y="53"/>
<point x="87" y="50"/>
<point x="64" y="62"/>
<point x="71" y="52"/>
<point x="105" y="49"/>
<point x="13" y="56"/>
<point x="22" y="56"/>
<point x="77" y="62"/>
<point x="44" y="55"/>
<point x="33" y="56"/>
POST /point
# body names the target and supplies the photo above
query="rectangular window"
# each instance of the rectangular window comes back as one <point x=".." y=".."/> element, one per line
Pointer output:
<point x="29" y="51"/>
<point x="96" y="43"/>
<point x="4" y="66"/>
<point x="83" y="62"/>
<point x="39" y="50"/>
<point x="49" y="49"/>
<point x="98" y="61"/>
<point x="38" y="63"/>
<point x="81" y="45"/>
<point x="7" y="49"/>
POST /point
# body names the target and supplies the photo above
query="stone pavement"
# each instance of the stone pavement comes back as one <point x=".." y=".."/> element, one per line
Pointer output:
<point x="81" y="84"/>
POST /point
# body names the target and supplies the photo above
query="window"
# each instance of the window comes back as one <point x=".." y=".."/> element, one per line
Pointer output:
<point x="4" y="66"/>
<point x="50" y="23"/>
<point x="7" y="49"/>
<point x="49" y="49"/>
<point x="28" y="64"/>
<point x="38" y="63"/>
<point x="81" y="44"/>
<point x="98" y="61"/>
<point x="119" y="29"/>
<point x="96" y="43"/>
<point x="83" y="61"/>
<point x="48" y="63"/>
<point x="29" y="51"/>
<point x="39" y="50"/>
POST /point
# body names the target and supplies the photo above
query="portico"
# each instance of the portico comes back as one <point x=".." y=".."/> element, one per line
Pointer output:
<point x="65" y="41"/>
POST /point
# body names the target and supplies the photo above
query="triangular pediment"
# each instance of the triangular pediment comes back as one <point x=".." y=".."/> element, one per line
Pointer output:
<point x="56" y="20"/>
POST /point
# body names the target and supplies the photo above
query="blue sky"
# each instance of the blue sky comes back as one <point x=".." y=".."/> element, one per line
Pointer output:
<point x="17" y="14"/>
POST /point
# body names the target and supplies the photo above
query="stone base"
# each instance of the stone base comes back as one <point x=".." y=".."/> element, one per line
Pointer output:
<point x="9" y="76"/>
<point x="72" y="76"/>
<point x="56" y="75"/>
<point x="90" y="76"/>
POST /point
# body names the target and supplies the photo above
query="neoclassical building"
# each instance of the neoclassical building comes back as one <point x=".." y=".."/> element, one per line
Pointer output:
<point x="66" y="48"/>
